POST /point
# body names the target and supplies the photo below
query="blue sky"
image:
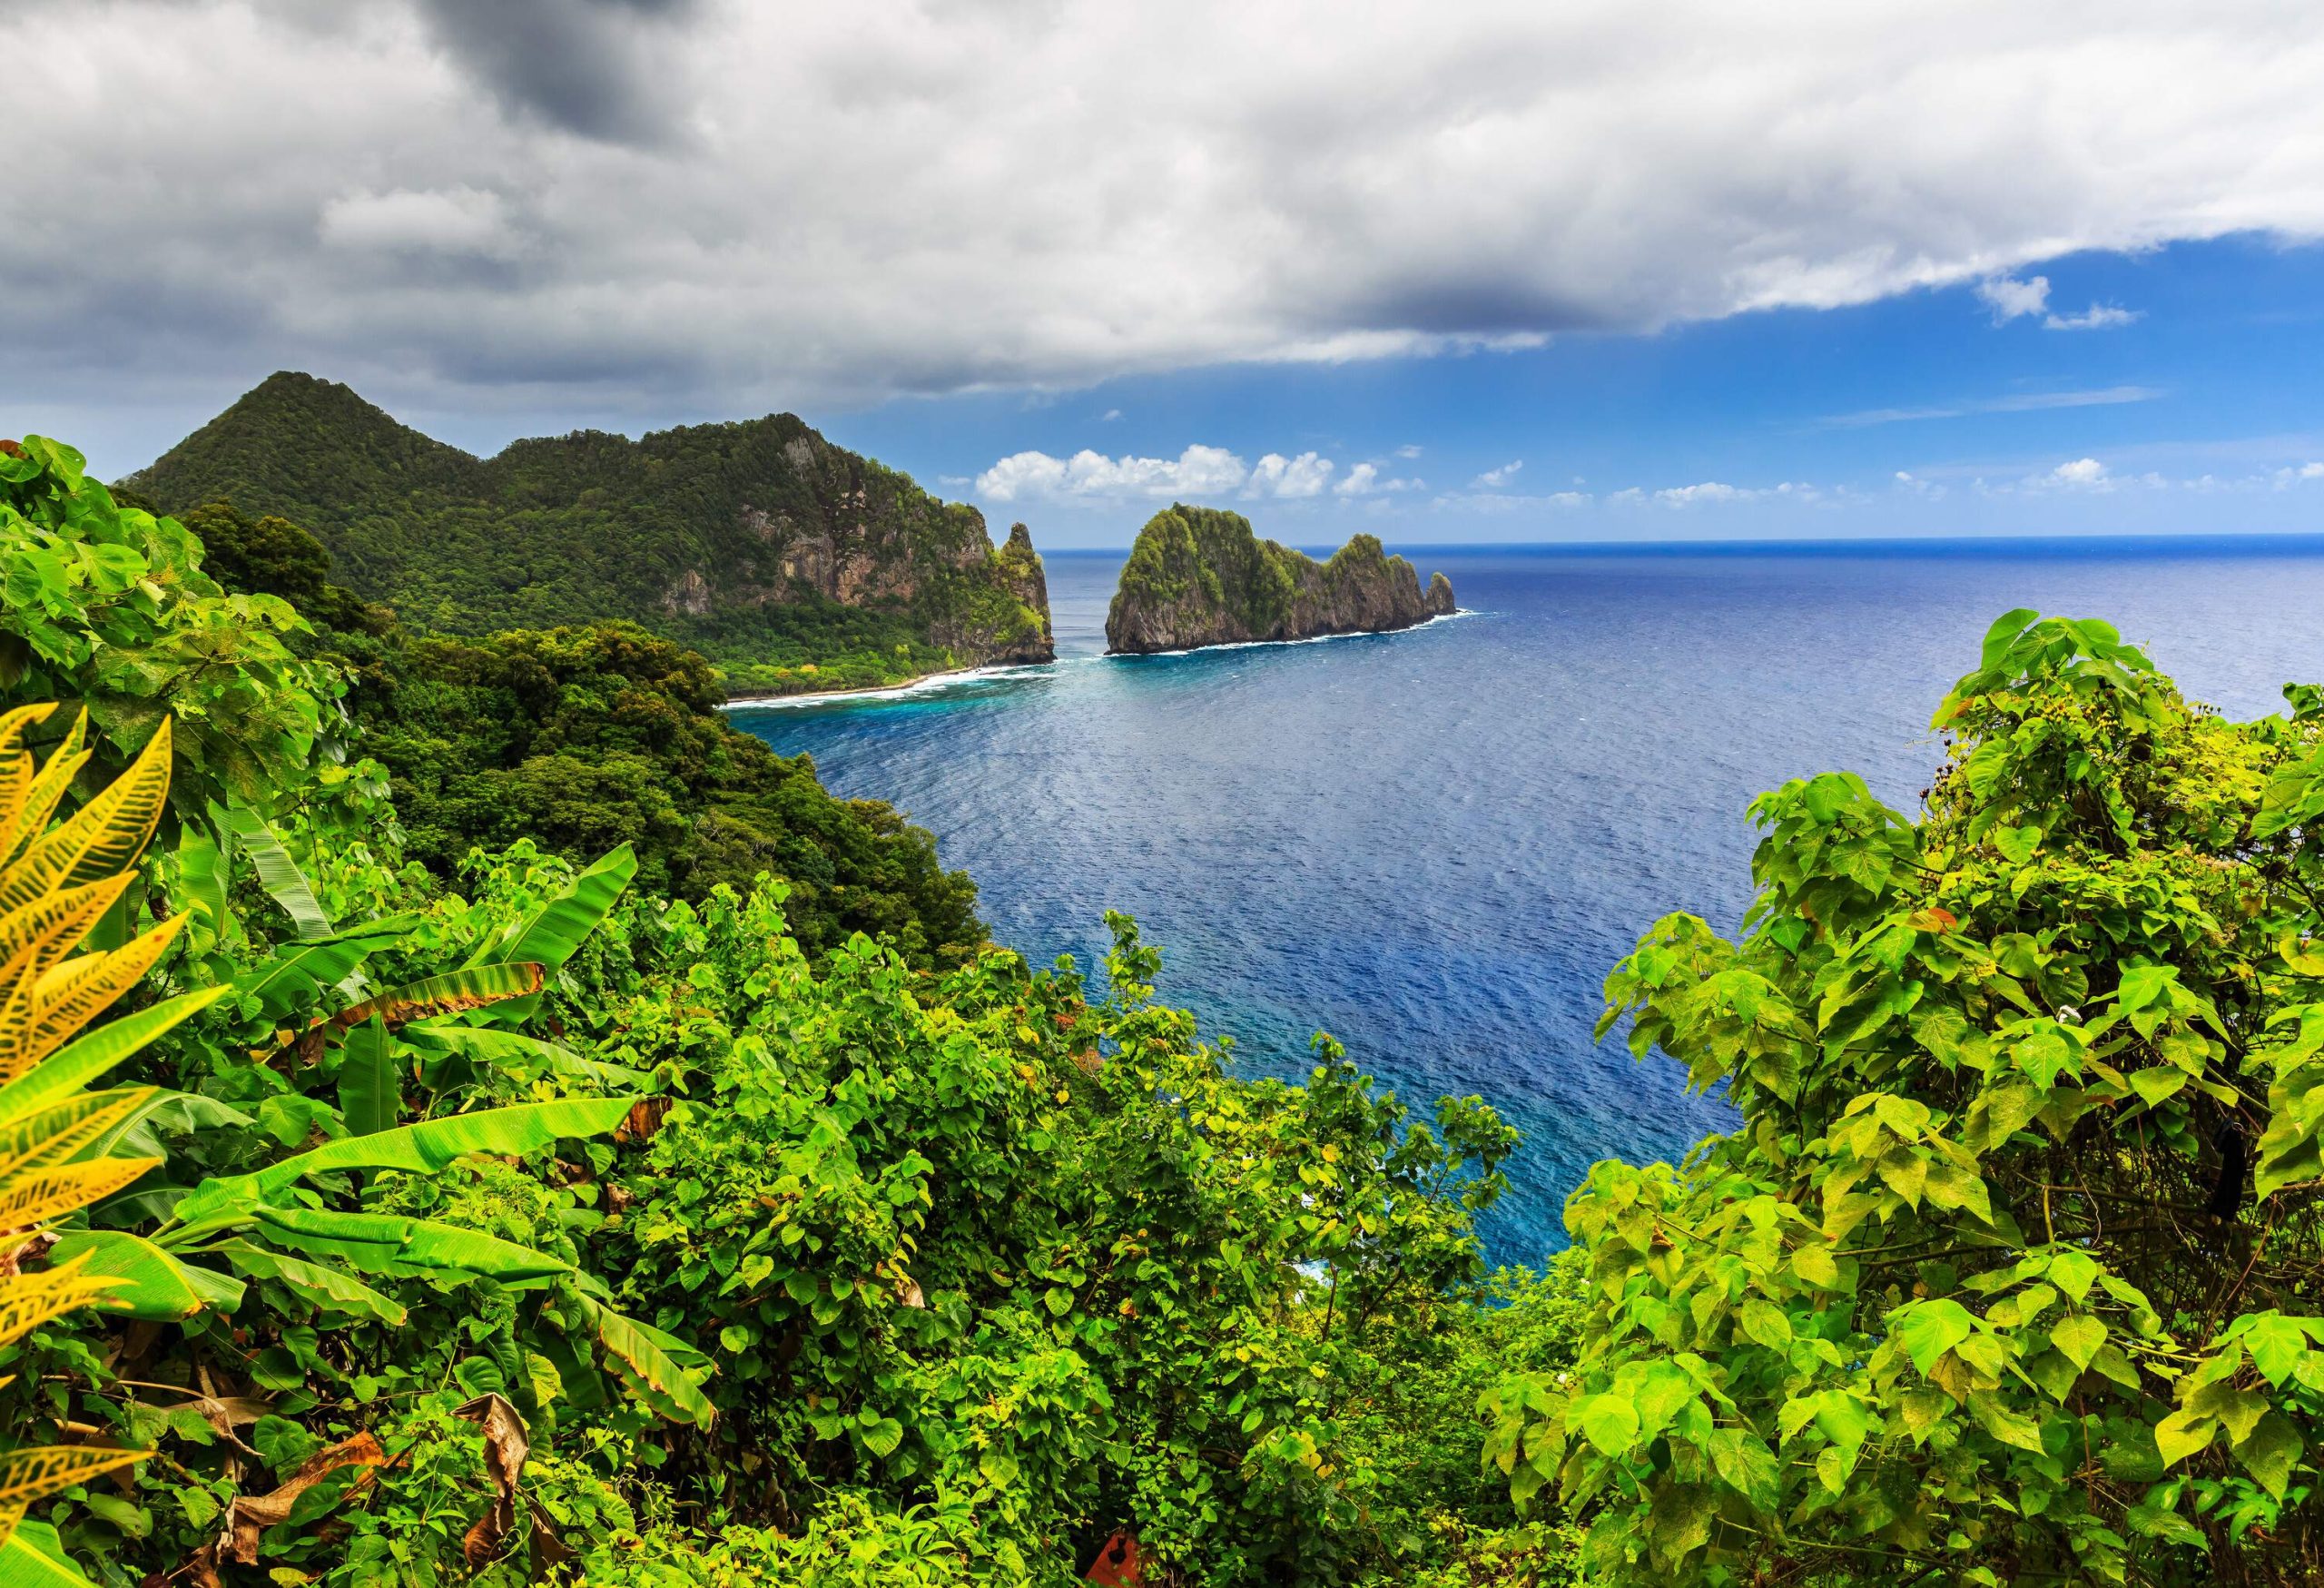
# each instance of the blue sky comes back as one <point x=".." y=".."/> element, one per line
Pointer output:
<point x="2194" y="402"/>
<point x="1498" y="270"/>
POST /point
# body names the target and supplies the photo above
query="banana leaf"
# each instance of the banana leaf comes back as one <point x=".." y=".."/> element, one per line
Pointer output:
<point x="278" y="875"/>
<point x="152" y="1284"/>
<point x="383" y="1243"/>
<point x="325" y="1287"/>
<point x="424" y="1149"/>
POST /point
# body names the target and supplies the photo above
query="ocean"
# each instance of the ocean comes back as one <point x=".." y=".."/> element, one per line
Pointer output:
<point x="1432" y="844"/>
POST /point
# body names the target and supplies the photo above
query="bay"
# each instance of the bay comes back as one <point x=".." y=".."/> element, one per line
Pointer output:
<point x="1432" y="844"/>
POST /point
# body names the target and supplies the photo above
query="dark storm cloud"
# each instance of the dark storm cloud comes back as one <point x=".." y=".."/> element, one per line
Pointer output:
<point x="584" y="66"/>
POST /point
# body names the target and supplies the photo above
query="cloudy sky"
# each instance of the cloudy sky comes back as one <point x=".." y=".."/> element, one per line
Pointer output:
<point x="1584" y="270"/>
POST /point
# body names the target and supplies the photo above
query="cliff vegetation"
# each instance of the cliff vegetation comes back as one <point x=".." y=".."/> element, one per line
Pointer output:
<point x="793" y="564"/>
<point x="1200" y="576"/>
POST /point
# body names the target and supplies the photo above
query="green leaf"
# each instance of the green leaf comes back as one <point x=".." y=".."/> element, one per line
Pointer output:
<point x="649" y="1362"/>
<point x="1608" y="1422"/>
<point x="2181" y="1435"/>
<point x="1744" y="1462"/>
<point x="2277" y="1345"/>
<point x="2157" y="1082"/>
<point x="2078" y="1339"/>
<point x="1928" y="1329"/>
<point x="883" y="1437"/>
<point x="152" y="1284"/>
<point x="423" y="1149"/>
<point x="1764" y="1324"/>
<point x="278" y="875"/>
<point x="509" y="1052"/>
<point x="327" y="1289"/>
<point x="302" y="977"/>
<point x="385" y="1243"/>
<point x="371" y="1088"/>
<point x="2272" y="1451"/>
<point x="1815" y="1265"/>
<point x="34" y="1557"/>
<point x="2074" y="1272"/>
<point x="548" y="936"/>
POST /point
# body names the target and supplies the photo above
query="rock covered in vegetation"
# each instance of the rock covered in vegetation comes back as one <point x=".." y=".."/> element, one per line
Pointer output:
<point x="1200" y="577"/>
<point x="756" y="541"/>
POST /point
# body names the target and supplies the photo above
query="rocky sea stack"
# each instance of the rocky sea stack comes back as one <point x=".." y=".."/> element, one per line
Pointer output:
<point x="1200" y="577"/>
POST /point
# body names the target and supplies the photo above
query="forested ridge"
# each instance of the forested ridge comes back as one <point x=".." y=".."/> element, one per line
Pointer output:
<point x="497" y="1217"/>
<point x="791" y="563"/>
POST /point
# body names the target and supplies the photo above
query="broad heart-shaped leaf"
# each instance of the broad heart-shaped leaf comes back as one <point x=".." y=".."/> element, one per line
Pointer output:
<point x="371" y="1088"/>
<point x="381" y="1243"/>
<point x="1607" y="1420"/>
<point x="423" y="1149"/>
<point x="81" y="1061"/>
<point x="2183" y="1433"/>
<point x="654" y="1365"/>
<point x="151" y="1283"/>
<point x="278" y="875"/>
<point x="2078" y="1339"/>
<point x="548" y="936"/>
<point x="1928" y="1329"/>
<point x="1745" y="1462"/>
<point x="2277" y="1346"/>
<point x="325" y="1287"/>
<point x="2271" y="1452"/>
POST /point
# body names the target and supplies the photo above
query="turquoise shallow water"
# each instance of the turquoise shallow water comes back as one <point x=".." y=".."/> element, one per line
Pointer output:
<point x="1433" y="843"/>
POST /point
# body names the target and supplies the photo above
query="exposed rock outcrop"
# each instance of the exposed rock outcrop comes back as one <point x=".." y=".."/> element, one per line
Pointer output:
<point x="1200" y="577"/>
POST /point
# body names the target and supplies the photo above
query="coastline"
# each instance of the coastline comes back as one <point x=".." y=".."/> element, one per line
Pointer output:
<point x="923" y="682"/>
<point x="1309" y="640"/>
<point x="928" y="683"/>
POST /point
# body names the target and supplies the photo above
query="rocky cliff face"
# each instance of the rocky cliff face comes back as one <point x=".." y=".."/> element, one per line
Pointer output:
<point x="1198" y="576"/>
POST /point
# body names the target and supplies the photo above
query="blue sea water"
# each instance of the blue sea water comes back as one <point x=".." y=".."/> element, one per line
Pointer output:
<point x="1432" y="844"/>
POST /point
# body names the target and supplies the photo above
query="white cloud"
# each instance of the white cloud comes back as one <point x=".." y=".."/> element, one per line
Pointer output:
<point x="1495" y="478"/>
<point x="722" y="208"/>
<point x="1109" y="416"/>
<point x="2293" y="475"/>
<point x="2081" y="471"/>
<point x="1364" y="479"/>
<point x="1196" y="472"/>
<point x="1408" y="451"/>
<point x="2097" y="317"/>
<point x="1288" y="479"/>
<point x="2010" y="299"/>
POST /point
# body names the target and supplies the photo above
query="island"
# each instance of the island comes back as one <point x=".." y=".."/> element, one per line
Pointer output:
<point x="1201" y="577"/>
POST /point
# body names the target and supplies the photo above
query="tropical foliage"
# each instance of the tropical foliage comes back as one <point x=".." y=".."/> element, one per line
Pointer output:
<point x="2009" y="1274"/>
<point x="518" y="1223"/>
<point x="582" y="739"/>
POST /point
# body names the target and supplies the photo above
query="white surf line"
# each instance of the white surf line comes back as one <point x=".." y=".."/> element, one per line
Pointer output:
<point x="1313" y="640"/>
<point x="932" y="683"/>
<point x="936" y="683"/>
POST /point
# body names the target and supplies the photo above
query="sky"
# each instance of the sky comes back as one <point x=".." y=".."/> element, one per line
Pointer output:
<point x="1491" y="272"/>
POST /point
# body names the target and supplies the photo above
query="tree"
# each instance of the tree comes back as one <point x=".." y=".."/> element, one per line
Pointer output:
<point x="2009" y="1272"/>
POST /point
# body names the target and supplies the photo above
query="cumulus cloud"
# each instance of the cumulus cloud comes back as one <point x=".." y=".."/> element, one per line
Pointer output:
<point x="708" y="206"/>
<point x="1287" y="479"/>
<point x="2081" y="471"/>
<point x="2011" y="300"/>
<point x="1198" y="471"/>
<point x="1495" y="478"/>
<point x="1364" y="479"/>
